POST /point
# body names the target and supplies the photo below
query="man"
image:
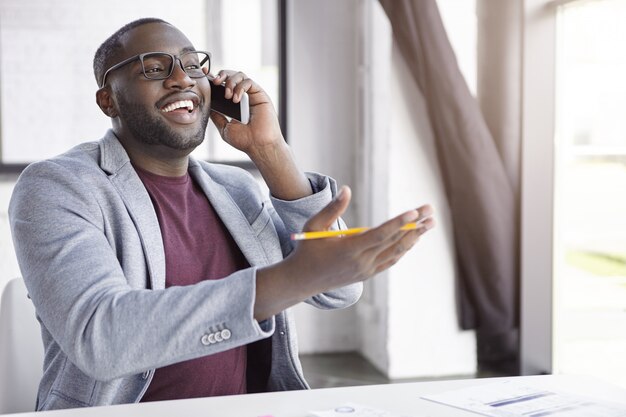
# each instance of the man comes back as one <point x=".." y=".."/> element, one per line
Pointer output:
<point x="156" y="276"/>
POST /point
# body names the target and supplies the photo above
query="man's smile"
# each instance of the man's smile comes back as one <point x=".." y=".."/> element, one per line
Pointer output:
<point x="181" y="108"/>
<point x="181" y="104"/>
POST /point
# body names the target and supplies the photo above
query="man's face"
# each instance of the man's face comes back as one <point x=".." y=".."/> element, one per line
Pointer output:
<point x="149" y="110"/>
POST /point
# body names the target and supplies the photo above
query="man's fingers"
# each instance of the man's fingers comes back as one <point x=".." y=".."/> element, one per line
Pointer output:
<point x="390" y="231"/>
<point x="235" y="83"/>
<point x="233" y="78"/>
<point x="429" y="223"/>
<point x="329" y="214"/>
<point x="399" y="247"/>
<point x="395" y="249"/>
<point x="425" y="211"/>
<point x="380" y="235"/>
<point x="241" y="88"/>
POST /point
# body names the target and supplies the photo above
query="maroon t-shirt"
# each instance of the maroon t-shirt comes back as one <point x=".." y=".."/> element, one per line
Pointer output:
<point x="197" y="247"/>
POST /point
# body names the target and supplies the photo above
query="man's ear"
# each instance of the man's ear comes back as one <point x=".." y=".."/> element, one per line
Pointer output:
<point x="105" y="101"/>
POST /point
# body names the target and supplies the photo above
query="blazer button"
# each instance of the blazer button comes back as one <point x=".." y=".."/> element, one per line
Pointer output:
<point x="218" y="337"/>
<point x="226" y="334"/>
<point x="206" y="340"/>
<point x="211" y="338"/>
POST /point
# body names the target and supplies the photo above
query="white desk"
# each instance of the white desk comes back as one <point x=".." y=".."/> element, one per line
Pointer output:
<point x="398" y="398"/>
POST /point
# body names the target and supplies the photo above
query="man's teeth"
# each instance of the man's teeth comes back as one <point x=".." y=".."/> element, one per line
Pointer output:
<point x="178" y="105"/>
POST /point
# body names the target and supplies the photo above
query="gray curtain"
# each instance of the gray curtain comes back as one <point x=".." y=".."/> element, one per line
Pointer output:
<point x="481" y="196"/>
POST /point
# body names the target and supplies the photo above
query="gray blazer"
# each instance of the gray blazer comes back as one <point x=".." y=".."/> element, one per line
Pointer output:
<point x="89" y="247"/>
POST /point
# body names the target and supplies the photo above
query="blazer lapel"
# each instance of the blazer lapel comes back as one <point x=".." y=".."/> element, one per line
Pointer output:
<point x="114" y="160"/>
<point x="231" y="216"/>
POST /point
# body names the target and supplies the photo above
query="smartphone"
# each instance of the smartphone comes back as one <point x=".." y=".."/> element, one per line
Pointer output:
<point x="238" y="111"/>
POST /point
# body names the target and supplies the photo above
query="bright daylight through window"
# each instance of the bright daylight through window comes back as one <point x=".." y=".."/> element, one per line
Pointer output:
<point x="590" y="203"/>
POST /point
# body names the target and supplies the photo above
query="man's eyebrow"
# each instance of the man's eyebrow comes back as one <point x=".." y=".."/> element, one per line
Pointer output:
<point x="187" y="49"/>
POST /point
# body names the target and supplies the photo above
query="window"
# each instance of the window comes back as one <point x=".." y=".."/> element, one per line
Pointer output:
<point x="590" y="185"/>
<point x="47" y="88"/>
<point x="459" y="19"/>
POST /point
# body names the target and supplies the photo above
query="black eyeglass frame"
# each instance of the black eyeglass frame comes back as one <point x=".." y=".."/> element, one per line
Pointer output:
<point x="160" y="77"/>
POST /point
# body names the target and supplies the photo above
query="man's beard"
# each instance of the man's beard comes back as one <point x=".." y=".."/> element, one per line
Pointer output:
<point x="153" y="130"/>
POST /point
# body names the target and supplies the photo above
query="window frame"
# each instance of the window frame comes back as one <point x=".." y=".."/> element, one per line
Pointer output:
<point x="537" y="188"/>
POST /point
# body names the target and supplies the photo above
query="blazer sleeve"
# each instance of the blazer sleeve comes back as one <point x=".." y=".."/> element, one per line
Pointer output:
<point x="290" y="217"/>
<point x="84" y="300"/>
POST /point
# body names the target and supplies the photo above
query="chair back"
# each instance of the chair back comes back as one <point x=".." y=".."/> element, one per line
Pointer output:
<point x="21" y="350"/>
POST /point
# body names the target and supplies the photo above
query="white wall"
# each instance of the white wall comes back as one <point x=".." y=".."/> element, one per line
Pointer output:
<point x="424" y="335"/>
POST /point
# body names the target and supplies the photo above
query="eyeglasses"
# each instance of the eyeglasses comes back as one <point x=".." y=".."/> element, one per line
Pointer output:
<point x="160" y="65"/>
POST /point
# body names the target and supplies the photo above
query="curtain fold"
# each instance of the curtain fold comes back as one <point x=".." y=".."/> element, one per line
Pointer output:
<point x="481" y="196"/>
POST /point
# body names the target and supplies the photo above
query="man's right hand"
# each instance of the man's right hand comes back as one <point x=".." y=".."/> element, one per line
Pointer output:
<point x="319" y="265"/>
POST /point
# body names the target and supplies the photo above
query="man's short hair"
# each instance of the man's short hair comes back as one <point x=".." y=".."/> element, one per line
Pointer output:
<point x="111" y="46"/>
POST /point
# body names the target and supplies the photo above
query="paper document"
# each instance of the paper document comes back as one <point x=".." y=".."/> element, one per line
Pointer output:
<point x="514" y="399"/>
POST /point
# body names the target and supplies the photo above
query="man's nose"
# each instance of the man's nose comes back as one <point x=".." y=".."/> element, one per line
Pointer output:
<point x="179" y="78"/>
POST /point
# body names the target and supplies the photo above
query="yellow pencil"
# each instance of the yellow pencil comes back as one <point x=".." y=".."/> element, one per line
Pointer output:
<point x="346" y="232"/>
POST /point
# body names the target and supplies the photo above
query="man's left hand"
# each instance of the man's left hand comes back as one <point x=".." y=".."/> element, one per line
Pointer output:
<point x="262" y="132"/>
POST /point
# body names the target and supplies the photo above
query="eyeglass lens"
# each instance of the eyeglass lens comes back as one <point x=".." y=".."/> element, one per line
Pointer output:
<point x="158" y="66"/>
